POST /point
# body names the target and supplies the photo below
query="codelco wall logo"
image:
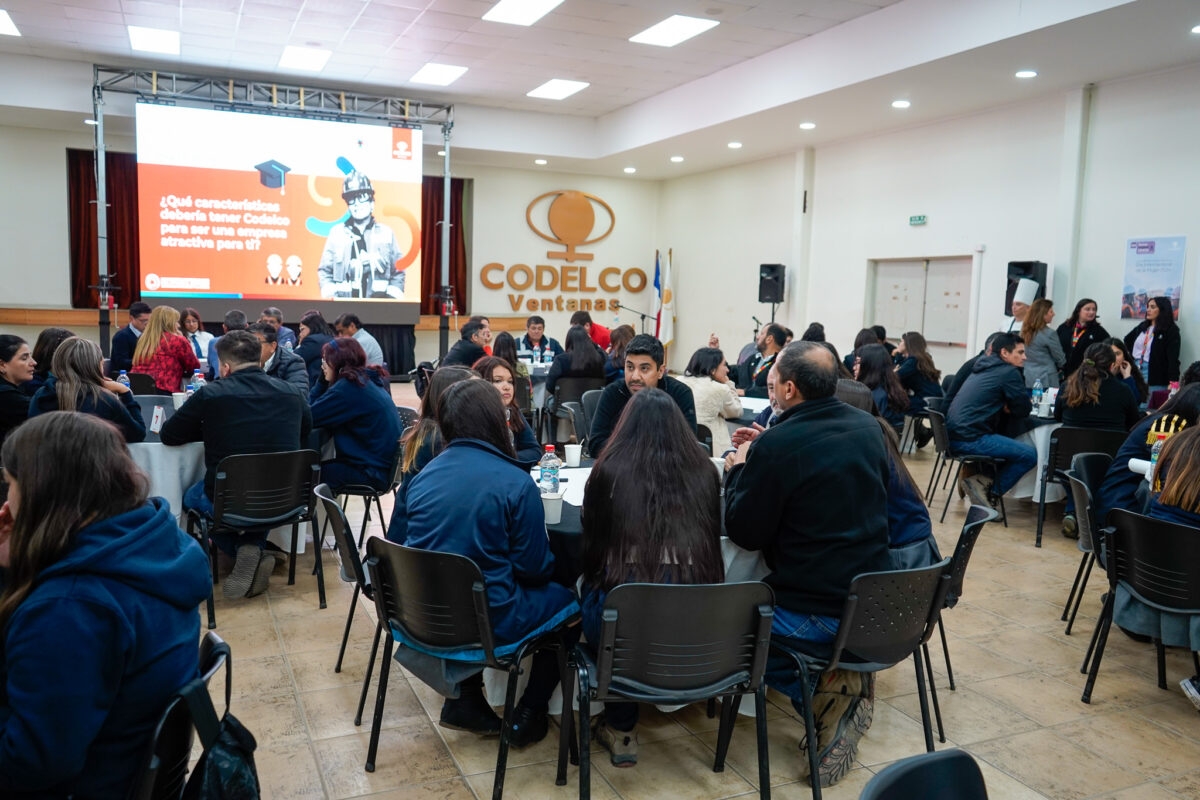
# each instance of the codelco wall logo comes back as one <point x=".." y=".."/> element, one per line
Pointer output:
<point x="566" y="218"/>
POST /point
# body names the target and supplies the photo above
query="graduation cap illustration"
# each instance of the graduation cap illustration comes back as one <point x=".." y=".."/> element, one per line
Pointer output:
<point x="271" y="174"/>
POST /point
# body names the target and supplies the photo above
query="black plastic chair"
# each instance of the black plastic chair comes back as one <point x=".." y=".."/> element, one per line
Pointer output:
<point x="343" y="538"/>
<point x="568" y="390"/>
<point x="523" y="397"/>
<point x="1065" y="443"/>
<point x="680" y="644"/>
<point x="1156" y="562"/>
<point x="1086" y="475"/>
<point x="945" y="775"/>
<point x="941" y="442"/>
<point x="886" y="619"/>
<point x="141" y="383"/>
<point x="439" y="600"/>
<point x="165" y="767"/>
<point x="256" y="492"/>
<point x="705" y="437"/>
<point x="408" y="417"/>
<point x="370" y="493"/>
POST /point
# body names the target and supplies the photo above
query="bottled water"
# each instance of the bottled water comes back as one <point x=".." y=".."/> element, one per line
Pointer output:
<point x="191" y="389"/>
<point x="1155" y="450"/>
<point x="1037" y="392"/>
<point x="123" y="378"/>
<point x="548" y="469"/>
<point x="198" y="379"/>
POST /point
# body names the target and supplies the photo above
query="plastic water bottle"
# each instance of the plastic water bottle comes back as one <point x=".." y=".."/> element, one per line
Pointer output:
<point x="542" y="355"/>
<point x="123" y="378"/>
<point x="1156" y="450"/>
<point x="1038" y="391"/>
<point x="198" y="379"/>
<point x="548" y="469"/>
<point x="191" y="389"/>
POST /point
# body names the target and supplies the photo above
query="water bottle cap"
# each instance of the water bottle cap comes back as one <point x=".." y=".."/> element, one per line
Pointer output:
<point x="550" y="447"/>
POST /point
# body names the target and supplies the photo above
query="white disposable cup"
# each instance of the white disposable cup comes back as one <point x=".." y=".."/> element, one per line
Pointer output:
<point x="719" y="463"/>
<point x="573" y="452"/>
<point x="178" y="398"/>
<point x="552" y="505"/>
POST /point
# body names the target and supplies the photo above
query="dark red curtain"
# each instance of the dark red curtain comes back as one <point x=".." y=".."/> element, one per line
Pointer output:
<point x="431" y="243"/>
<point x="121" y="182"/>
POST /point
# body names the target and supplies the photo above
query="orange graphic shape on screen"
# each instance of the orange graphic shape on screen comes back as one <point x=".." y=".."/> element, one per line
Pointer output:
<point x="571" y="218"/>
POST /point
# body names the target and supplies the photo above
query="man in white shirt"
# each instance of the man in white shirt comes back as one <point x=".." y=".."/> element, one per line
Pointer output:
<point x="351" y="325"/>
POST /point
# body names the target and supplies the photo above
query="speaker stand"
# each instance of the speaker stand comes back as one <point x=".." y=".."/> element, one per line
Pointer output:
<point x="772" y="312"/>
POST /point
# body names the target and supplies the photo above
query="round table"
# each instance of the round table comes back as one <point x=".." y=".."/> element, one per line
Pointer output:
<point x="1030" y="484"/>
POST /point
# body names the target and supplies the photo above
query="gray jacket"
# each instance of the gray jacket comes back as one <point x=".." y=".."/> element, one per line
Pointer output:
<point x="1043" y="359"/>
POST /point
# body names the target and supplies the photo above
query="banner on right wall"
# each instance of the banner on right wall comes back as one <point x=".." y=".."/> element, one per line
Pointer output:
<point x="1153" y="268"/>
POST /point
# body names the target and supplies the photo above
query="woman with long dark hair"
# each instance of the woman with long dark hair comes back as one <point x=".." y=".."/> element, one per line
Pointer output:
<point x="17" y="367"/>
<point x="707" y="375"/>
<point x="78" y="385"/>
<point x="863" y="338"/>
<point x="580" y="359"/>
<point x="916" y="370"/>
<point x="1043" y="353"/>
<point x="99" y="611"/>
<point x="614" y="364"/>
<point x="1126" y="373"/>
<point x="315" y="333"/>
<point x="505" y="346"/>
<point x="352" y="401"/>
<point x="43" y="353"/>
<point x="500" y="525"/>
<point x="1154" y="344"/>
<point x="663" y="527"/>
<point x="1081" y="330"/>
<point x="163" y="354"/>
<point x="873" y="367"/>
<point x="193" y="330"/>
<point x="497" y="372"/>
<point x="1094" y="397"/>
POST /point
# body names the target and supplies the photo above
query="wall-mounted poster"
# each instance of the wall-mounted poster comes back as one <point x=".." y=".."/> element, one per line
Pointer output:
<point x="1153" y="268"/>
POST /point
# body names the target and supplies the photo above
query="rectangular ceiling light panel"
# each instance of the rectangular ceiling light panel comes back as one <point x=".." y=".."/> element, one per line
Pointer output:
<point x="558" y="89"/>
<point x="434" y="74"/>
<point x="520" y="12"/>
<point x="673" y="30"/>
<point x="154" y="40"/>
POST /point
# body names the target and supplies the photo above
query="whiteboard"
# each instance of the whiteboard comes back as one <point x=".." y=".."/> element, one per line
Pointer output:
<point x="947" y="300"/>
<point x="899" y="296"/>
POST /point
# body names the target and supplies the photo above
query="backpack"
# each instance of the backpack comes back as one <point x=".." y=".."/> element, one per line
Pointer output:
<point x="421" y="376"/>
<point x="226" y="769"/>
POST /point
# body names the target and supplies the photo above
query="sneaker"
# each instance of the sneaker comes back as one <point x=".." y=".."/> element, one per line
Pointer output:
<point x="245" y="569"/>
<point x="978" y="488"/>
<point x="262" y="575"/>
<point x="1191" y="688"/>
<point x="622" y="746"/>
<point x="470" y="713"/>
<point x="1070" y="527"/>
<point x="921" y="435"/>
<point x="528" y="727"/>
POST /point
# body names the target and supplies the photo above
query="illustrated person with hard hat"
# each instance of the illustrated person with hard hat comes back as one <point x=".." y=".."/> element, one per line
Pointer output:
<point x="359" y="259"/>
<point x="1023" y="298"/>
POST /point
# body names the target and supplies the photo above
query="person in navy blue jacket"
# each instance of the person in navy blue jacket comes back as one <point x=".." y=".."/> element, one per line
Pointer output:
<point x="124" y="341"/>
<point x="76" y="384"/>
<point x="99" y="614"/>
<point x="352" y="401"/>
<point x="477" y="500"/>
<point x="497" y="372"/>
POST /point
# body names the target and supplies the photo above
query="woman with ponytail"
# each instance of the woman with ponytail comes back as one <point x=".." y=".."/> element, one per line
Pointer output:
<point x="1095" y="397"/>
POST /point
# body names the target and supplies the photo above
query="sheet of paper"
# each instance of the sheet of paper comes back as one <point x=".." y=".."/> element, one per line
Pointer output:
<point x="573" y="487"/>
<point x="156" y="421"/>
<point x="755" y="405"/>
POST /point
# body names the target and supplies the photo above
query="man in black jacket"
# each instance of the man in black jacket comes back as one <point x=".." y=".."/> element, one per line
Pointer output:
<point x="245" y="412"/>
<point x="810" y="492"/>
<point x="469" y="349"/>
<point x="279" y="362"/>
<point x="752" y="374"/>
<point x="124" y="341"/>
<point x="644" y="368"/>
<point x="994" y="386"/>
<point x="964" y="371"/>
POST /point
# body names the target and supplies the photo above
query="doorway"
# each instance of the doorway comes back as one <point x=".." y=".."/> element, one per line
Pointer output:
<point x="930" y="295"/>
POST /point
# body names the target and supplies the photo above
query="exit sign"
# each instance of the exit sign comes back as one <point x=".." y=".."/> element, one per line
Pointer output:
<point x="919" y="220"/>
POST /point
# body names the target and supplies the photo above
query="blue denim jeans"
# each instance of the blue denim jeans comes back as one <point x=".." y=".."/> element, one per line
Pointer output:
<point x="796" y="627"/>
<point x="1019" y="458"/>
<point x="228" y="542"/>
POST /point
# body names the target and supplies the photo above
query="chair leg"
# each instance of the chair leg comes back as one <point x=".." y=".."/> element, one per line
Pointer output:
<point x="946" y="654"/>
<point x="320" y="568"/>
<point x="1042" y="504"/>
<point x="934" y="476"/>
<point x="729" y="708"/>
<point x="937" y="709"/>
<point x="292" y="554"/>
<point x="212" y="562"/>
<point x="1160" y="653"/>
<point x="382" y="520"/>
<point x="1074" y="586"/>
<point x="1091" y="560"/>
<point x="566" y="725"/>
<point x="346" y="633"/>
<point x="585" y="708"/>
<point x="1102" y="639"/>
<point x="380" y="696"/>
<point x="510" y="700"/>
<point x="1003" y="512"/>
<point x="950" y="492"/>
<point x="362" y="532"/>
<point x="760" y="725"/>
<point x="710" y="708"/>
<point x="362" y="699"/>
<point x="925" y="722"/>
<point x="810" y="728"/>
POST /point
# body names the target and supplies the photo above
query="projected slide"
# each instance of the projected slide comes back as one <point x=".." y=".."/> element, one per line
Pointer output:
<point x="259" y="206"/>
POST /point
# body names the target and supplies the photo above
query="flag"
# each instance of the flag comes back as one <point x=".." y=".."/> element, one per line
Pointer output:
<point x="664" y="327"/>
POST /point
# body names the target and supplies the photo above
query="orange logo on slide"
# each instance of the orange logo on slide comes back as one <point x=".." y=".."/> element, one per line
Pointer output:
<point x="402" y="144"/>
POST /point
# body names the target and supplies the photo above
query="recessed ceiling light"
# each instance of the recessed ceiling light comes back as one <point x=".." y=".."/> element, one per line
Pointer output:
<point x="807" y="126"/>
<point x="630" y="170"/>
<point x="676" y="159"/>
<point x="7" y="26"/>
<point x="541" y="162"/>
<point x="1196" y="29"/>
<point x="442" y="153"/>
<point x="305" y="59"/>
<point x="154" y="40"/>
<point x="435" y="74"/>
<point x="557" y="89"/>
<point x="90" y="122"/>
<point x="900" y="104"/>
<point x="520" y="12"/>
<point x="1026" y="73"/>
<point x="673" y="30"/>
<point x="734" y="145"/>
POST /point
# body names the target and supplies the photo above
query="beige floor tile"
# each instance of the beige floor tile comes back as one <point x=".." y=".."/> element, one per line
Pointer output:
<point x="971" y="662"/>
<point x="313" y="669"/>
<point x="968" y="617"/>
<point x="1133" y="742"/>
<point x="1177" y="715"/>
<point x="1026" y="646"/>
<point x="894" y="735"/>
<point x="308" y="602"/>
<point x="242" y="613"/>
<point x="320" y="631"/>
<point x="408" y="755"/>
<point x="969" y="716"/>
<point x="255" y="676"/>
<point x="1046" y="700"/>
<point x="695" y="717"/>
<point x="274" y="719"/>
<point x="475" y="754"/>
<point x="1145" y="791"/>
<point x="1001" y="786"/>
<point x="1117" y="688"/>
<point x="678" y="768"/>
<point x="1184" y="785"/>
<point x="330" y="712"/>
<point x="1054" y="766"/>
<point x="536" y="781"/>
<point x="786" y="762"/>
<point x="453" y="789"/>
<point x="288" y="772"/>
<point x="254" y="641"/>
<point x="848" y="788"/>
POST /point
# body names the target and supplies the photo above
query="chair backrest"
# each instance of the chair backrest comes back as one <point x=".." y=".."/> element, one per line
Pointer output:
<point x="523" y="394"/>
<point x="681" y="640"/>
<point x="408" y="417"/>
<point x="944" y="775"/>
<point x="977" y="517"/>
<point x="577" y="418"/>
<point x="941" y="437"/>
<point x="141" y="383"/>
<point x="1156" y="560"/>
<point x="437" y="599"/>
<point x="705" y="437"/>
<point x="343" y="535"/>
<point x="1067" y="441"/>
<point x="264" y="490"/>
<point x="1087" y="472"/>
<point x="889" y="614"/>
<point x="148" y="404"/>
<point x="936" y="404"/>
<point x="570" y="390"/>
<point x="591" y="401"/>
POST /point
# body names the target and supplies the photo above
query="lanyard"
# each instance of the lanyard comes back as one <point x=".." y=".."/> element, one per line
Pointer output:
<point x="1079" y="329"/>
<point x="1144" y="358"/>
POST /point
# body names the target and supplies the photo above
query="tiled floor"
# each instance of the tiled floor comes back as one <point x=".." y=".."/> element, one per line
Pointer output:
<point x="1017" y="707"/>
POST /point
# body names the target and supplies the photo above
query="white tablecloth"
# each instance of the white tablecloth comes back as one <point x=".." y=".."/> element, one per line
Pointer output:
<point x="1030" y="484"/>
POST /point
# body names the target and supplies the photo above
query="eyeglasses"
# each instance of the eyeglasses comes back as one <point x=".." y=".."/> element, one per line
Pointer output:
<point x="361" y="199"/>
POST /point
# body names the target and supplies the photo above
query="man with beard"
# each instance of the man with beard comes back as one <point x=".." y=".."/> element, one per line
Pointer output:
<point x="360" y="255"/>
<point x="753" y="373"/>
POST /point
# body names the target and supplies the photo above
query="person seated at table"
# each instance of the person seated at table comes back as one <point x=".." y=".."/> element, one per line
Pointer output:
<point x="966" y="369"/>
<point x="1044" y="357"/>
<point x="881" y="335"/>
<point x="284" y="335"/>
<point x="919" y="376"/>
<point x="644" y="368"/>
<point x="1154" y="344"/>
<point x="486" y="331"/>
<point x="810" y="492"/>
<point x="1123" y="488"/>
<point x="972" y="420"/>
<point x="193" y="330"/>
<point x="614" y="362"/>
<point x="1126" y="372"/>
<point x="599" y="334"/>
<point x="468" y="349"/>
<point x="497" y="372"/>
<point x="246" y="411"/>
<point x="16" y="369"/>
<point x="99" y="613"/>
<point x="125" y="340"/>
<point x="815" y="332"/>
<point x="163" y="354"/>
<point x="315" y="333"/>
<point x="874" y="369"/>
<point x="752" y="376"/>
<point x="78" y="385"/>
<point x="43" y="353"/>
<point x="1081" y="330"/>
<point x="663" y="528"/>
<point x="350" y="325"/>
<point x="277" y="361"/>
<point x="863" y="338"/>
<point x="714" y="395"/>
<point x="500" y="525"/>
<point x="505" y="346"/>
<point x="582" y="359"/>
<point x="352" y="402"/>
<point x="234" y="320"/>
<point x="765" y="419"/>
<point x="535" y="341"/>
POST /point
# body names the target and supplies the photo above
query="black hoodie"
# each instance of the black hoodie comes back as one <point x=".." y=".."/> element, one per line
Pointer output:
<point x="992" y="385"/>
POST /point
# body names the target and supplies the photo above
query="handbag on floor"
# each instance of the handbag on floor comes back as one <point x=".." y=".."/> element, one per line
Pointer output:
<point x="226" y="768"/>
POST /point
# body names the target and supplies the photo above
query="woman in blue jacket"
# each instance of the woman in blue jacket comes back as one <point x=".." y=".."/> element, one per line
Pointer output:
<point x="498" y="373"/>
<point x="351" y="401"/>
<point x="76" y="384"/>
<point x="873" y="367"/>
<point x="477" y="500"/>
<point x="99" y="613"/>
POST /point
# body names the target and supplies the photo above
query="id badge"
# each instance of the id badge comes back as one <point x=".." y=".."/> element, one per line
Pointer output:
<point x="156" y="421"/>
